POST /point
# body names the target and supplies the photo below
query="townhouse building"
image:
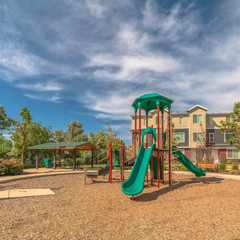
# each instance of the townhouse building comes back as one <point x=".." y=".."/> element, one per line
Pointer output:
<point x="196" y="128"/>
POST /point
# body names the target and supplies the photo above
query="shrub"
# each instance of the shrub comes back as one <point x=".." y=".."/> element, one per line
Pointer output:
<point x="235" y="167"/>
<point x="229" y="161"/>
<point x="183" y="168"/>
<point x="222" y="167"/>
<point x="10" y="167"/>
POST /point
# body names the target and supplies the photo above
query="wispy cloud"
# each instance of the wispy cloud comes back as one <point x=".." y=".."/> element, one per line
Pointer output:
<point x="44" y="98"/>
<point x="41" y="87"/>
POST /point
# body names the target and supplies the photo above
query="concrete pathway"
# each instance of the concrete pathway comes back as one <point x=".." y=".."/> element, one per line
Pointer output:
<point x="44" y="172"/>
<point x="18" y="193"/>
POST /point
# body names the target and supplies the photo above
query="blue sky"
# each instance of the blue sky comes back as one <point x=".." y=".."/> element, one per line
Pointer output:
<point x="88" y="60"/>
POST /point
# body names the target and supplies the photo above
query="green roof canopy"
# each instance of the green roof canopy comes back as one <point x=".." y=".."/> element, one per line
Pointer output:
<point x="150" y="101"/>
<point x="65" y="146"/>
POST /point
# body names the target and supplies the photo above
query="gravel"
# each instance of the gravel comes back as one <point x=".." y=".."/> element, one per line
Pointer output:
<point x="204" y="208"/>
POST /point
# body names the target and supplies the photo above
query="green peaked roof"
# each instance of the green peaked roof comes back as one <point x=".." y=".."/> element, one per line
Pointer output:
<point x="150" y="101"/>
<point x="66" y="146"/>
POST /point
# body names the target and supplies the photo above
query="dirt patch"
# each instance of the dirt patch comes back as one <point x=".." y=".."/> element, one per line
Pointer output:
<point x="205" y="208"/>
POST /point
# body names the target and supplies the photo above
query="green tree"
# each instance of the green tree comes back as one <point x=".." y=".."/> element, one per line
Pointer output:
<point x="5" y="146"/>
<point x="74" y="132"/>
<point x="233" y="126"/>
<point x="5" y="121"/>
<point x="19" y="133"/>
<point x="59" y="136"/>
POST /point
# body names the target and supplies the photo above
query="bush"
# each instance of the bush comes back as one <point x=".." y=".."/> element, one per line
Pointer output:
<point x="222" y="167"/>
<point x="10" y="167"/>
<point x="183" y="168"/>
<point x="235" y="167"/>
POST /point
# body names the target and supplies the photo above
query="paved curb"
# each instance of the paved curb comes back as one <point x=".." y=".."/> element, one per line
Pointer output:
<point x="29" y="176"/>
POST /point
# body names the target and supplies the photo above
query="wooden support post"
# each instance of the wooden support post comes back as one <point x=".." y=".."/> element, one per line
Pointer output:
<point x="162" y="154"/>
<point x="84" y="175"/>
<point x="37" y="158"/>
<point x="158" y="163"/>
<point x="169" y="147"/>
<point x="152" y="161"/>
<point x="54" y="159"/>
<point x="74" y="159"/>
<point x="59" y="158"/>
<point x="92" y="157"/>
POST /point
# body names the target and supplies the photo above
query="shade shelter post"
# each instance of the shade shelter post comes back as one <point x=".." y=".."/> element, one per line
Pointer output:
<point x="54" y="159"/>
<point x="92" y="157"/>
<point x="37" y="158"/>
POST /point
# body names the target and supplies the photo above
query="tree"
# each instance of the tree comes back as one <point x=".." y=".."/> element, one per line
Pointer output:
<point x="232" y="126"/>
<point x="201" y="143"/>
<point x="19" y="133"/>
<point x="74" y="132"/>
<point x="5" y="121"/>
<point x="59" y="136"/>
<point x="5" y="146"/>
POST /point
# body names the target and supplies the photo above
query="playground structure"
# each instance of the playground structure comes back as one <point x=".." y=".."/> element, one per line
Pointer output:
<point x="156" y="151"/>
<point x="116" y="160"/>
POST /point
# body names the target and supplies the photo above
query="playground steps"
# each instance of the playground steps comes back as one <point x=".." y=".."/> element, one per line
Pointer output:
<point x="130" y="162"/>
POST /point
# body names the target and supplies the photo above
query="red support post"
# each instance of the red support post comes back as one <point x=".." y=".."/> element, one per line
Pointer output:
<point x="123" y="148"/>
<point x="147" y="144"/>
<point x="121" y="176"/>
<point x="162" y="148"/>
<point x="139" y="131"/>
<point x="158" y="165"/>
<point x="169" y="146"/>
<point x="135" y="136"/>
<point x="110" y="162"/>
<point x="152" y="161"/>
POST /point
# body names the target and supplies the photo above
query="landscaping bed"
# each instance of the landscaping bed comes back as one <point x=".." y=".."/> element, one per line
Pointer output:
<point x="194" y="208"/>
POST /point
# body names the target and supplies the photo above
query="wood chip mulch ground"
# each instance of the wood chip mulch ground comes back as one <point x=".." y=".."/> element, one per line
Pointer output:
<point x="204" y="208"/>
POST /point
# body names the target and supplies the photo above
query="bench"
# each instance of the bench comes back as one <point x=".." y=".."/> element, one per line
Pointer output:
<point x="213" y="166"/>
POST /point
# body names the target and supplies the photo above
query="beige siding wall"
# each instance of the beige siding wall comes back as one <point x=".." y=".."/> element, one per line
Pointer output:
<point x="196" y="127"/>
<point x="176" y="121"/>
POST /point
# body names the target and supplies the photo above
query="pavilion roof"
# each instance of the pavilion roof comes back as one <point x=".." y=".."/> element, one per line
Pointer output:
<point x="66" y="146"/>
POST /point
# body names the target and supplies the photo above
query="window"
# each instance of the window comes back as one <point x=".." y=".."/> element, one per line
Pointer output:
<point x="233" y="154"/>
<point x="197" y="137"/>
<point x="160" y="120"/>
<point x="227" y="136"/>
<point x="211" y="121"/>
<point x="197" y="118"/>
<point x="211" y="137"/>
<point x="179" y="137"/>
<point x="181" y="120"/>
<point x="208" y="154"/>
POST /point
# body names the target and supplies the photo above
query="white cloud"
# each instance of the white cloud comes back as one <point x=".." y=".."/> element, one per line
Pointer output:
<point x="96" y="8"/>
<point x="44" y="98"/>
<point x="41" y="87"/>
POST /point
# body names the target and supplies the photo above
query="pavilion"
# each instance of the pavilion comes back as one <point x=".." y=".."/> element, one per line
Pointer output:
<point x="64" y="146"/>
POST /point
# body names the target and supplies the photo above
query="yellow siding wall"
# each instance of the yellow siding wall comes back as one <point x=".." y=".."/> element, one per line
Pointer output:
<point x="196" y="127"/>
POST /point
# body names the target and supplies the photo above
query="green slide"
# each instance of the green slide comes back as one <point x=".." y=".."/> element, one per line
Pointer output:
<point x="187" y="163"/>
<point x="135" y="183"/>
